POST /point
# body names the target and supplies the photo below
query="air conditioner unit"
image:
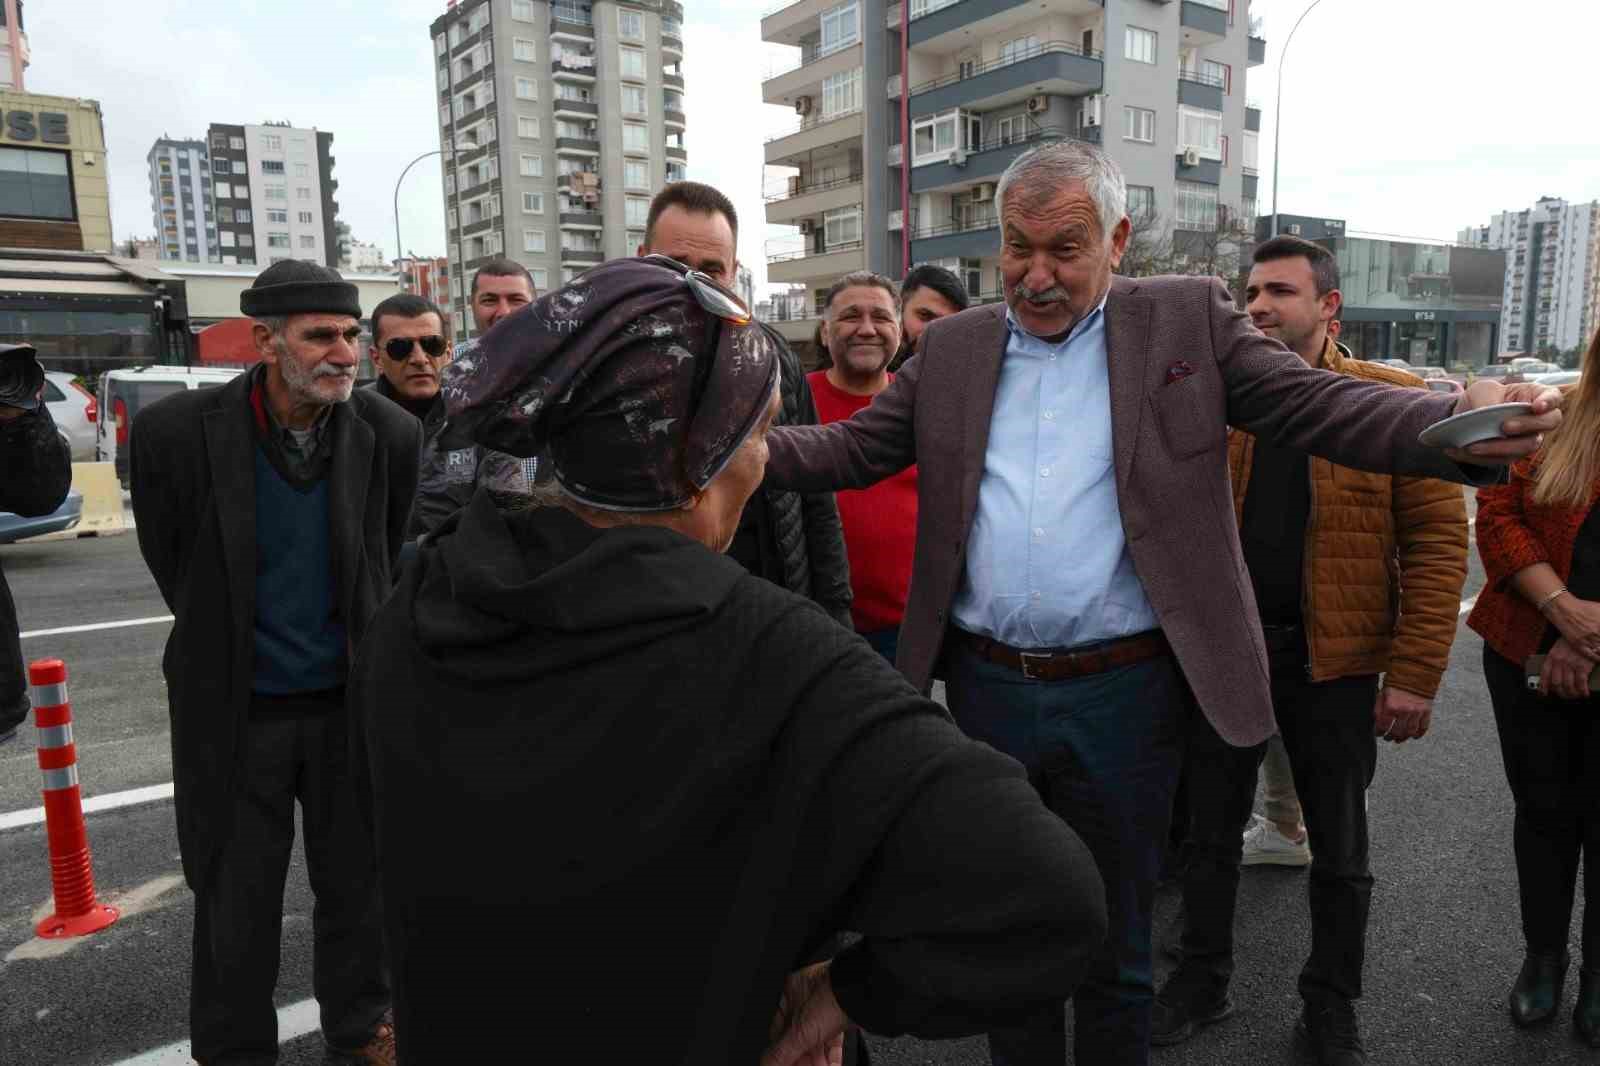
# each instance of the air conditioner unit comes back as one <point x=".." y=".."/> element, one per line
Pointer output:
<point x="982" y="194"/>
<point x="807" y="227"/>
<point x="958" y="157"/>
<point x="1037" y="104"/>
<point x="1089" y="111"/>
<point x="1294" y="230"/>
<point x="1191" y="157"/>
<point x="802" y="106"/>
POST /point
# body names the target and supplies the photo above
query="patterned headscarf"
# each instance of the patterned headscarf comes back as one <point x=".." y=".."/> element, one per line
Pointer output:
<point x="601" y="374"/>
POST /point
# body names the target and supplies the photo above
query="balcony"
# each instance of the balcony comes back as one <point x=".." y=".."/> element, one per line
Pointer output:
<point x="1204" y="91"/>
<point x="674" y="117"/>
<point x="1203" y="23"/>
<point x="582" y="220"/>
<point x="680" y="154"/>
<point x="949" y="26"/>
<point x="482" y="225"/>
<point x="672" y="81"/>
<point x="1252" y="119"/>
<point x="989" y="160"/>
<point x="816" y="262"/>
<point x="1206" y="172"/>
<point x="584" y="108"/>
<point x="795" y="329"/>
<point x="1251" y="186"/>
<point x="671" y="43"/>
<point x="573" y="68"/>
<point x="805" y="77"/>
<point x="577" y="146"/>
<point x="788" y="23"/>
<point x="794" y="201"/>
<point x="570" y="20"/>
<point x="1058" y="67"/>
<point x="584" y="256"/>
<point x="973" y="238"/>
<point x="1258" y="50"/>
<point x="812" y="134"/>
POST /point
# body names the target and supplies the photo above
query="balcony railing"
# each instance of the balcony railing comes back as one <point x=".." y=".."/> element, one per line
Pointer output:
<point x="809" y="53"/>
<point x="812" y="122"/>
<point x="812" y="252"/>
<point x="978" y="223"/>
<point x="1201" y="78"/>
<point x="787" y="191"/>
<point x="1012" y="58"/>
<point x="571" y="13"/>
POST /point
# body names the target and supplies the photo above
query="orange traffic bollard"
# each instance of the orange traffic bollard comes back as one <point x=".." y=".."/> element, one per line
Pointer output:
<point x="77" y="912"/>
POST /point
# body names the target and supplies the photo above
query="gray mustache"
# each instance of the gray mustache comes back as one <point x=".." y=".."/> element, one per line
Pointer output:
<point x="1054" y="294"/>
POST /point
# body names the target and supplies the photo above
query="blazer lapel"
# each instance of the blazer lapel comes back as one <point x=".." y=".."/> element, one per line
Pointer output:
<point x="349" y="478"/>
<point x="985" y="345"/>
<point x="1127" y="347"/>
<point x="230" y="453"/>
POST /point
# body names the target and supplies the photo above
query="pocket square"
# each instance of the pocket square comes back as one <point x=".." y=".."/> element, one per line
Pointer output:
<point x="1178" y="371"/>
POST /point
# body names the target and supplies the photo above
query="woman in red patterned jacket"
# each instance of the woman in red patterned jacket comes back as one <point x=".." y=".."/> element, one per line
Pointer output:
<point x="1539" y="536"/>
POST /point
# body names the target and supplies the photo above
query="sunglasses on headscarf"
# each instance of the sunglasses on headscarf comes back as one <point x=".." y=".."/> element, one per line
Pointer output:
<point x="716" y="301"/>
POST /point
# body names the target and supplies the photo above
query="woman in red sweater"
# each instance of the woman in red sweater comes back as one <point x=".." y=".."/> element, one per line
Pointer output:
<point x="1539" y="536"/>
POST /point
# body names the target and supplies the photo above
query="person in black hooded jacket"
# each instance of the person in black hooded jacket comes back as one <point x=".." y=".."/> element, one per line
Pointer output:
<point x="600" y="746"/>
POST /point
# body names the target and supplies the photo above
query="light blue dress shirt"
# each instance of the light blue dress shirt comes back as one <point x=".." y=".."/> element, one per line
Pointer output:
<point x="1047" y="562"/>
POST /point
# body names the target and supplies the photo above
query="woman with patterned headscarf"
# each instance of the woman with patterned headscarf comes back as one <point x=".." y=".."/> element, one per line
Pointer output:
<point x="623" y="791"/>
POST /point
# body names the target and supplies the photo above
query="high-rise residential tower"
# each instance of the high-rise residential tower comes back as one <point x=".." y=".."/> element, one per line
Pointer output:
<point x="559" y="120"/>
<point x="1552" y="282"/>
<point x="180" y="201"/>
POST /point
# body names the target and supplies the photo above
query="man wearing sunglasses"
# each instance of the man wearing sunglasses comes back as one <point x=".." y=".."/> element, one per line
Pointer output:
<point x="409" y="351"/>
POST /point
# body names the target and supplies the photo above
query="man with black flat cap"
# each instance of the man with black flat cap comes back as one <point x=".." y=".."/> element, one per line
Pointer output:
<point x="35" y="474"/>
<point x="271" y="512"/>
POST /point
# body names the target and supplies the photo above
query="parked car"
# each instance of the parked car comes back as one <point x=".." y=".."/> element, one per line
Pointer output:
<point x="15" y="527"/>
<point x="1558" y="377"/>
<point x="1429" y="373"/>
<point x="74" y="410"/>
<point x="1443" y="384"/>
<point x="1398" y="364"/>
<point x="1504" y="373"/>
<point x="124" y="393"/>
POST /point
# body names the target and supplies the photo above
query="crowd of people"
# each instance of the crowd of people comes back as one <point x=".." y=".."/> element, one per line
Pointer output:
<point x="606" y="639"/>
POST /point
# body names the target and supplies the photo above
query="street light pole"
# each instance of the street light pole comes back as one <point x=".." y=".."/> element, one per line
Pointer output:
<point x="1277" y="118"/>
<point x="399" y="249"/>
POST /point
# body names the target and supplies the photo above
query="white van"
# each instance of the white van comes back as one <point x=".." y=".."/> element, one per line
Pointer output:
<point x="124" y="393"/>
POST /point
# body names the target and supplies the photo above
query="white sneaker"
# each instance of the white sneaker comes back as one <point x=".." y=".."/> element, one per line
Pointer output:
<point x="1265" y="845"/>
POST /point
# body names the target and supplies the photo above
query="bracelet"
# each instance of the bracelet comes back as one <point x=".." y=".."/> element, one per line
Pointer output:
<point x="1542" y="604"/>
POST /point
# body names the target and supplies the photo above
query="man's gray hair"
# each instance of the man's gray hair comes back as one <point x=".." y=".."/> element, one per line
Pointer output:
<point x="277" y="325"/>
<point x="1039" y="171"/>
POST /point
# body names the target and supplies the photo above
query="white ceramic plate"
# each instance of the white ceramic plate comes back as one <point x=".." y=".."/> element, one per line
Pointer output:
<point x="1471" y="427"/>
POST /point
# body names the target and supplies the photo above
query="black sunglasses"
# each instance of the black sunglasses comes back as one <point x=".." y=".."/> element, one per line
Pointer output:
<point x="722" y="305"/>
<point x="399" y="349"/>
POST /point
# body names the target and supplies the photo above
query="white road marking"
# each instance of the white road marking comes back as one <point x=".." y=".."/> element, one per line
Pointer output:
<point x="294" y="1021"/>
<point x="111" y="801"/>
<point x="97" y="626"/>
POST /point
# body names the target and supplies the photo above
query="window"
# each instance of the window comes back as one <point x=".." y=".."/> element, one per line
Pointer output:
<point x="301" y="192"/>
<point x="457" y="32"/>
<point x="533" y="203"/>
<point x="637" y="210"/>
<point x="636" y="238"/>
<point x="633" y="100"/>
<point x="450" y="218"/>
<point x="306" y="218"/>
<point x="935" y="137"/>
<point x="1252" y="151"/>
<point x="1219" y="74"/>
<point x="1141" y="203"/>
<point x="222" y="190"/>
<point x="275" y="214"/>
<point x="631" y="63"/>
<point x="277" y="240"/>
<point x="1139" y="45"/>
<point x="439" y="45"/>
<point x="1224" y="149"/>
<point x="444" y="114"/>
<point x="1196" y="206"/>
<point x="307" y="241"/>
<point x="635" y="137"/>
<point x="271" y="142"/>
<point x="533" y="241"/>
<point x="1019" y="49"/>
<point x="449" y="184"/>
<point x="1139" y="124"/>
<point x="276" y="192"/>
<point x="522" y="10"/>
<point x="1200" y="130"/>
<point x="524" y="50"/>
<point x="636" y="173"/>
<point x="569" y="275"/>
<point x="677" y="171"/>
<point x="272" y="166"/>
<point x="220" y="166"/>
<point x="841" y="93"/>
<point x="242" y="215"/>
<point x="630" y="24"/>
<point x="841" y="226"/>
<point x="226" y="237"/>
<point x="527" y="89"/>
<point x="302" y="170"/>
<point x="841" y="28"/>
<point x="541" y="280"/>
<point x="532" y="166"/>
<point x="236" y="143"/>
<point x="528" y="127"/>
<point x="239" y="167"/>
<point x="225" y="214"/>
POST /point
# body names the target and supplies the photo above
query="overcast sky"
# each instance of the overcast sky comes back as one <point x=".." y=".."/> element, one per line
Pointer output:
<point x="1411" y="117"/>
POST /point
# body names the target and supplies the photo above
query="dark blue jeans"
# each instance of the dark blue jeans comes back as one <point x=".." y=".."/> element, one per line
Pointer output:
<point x="1104" y="752"/>
<point x="886" y="642"/>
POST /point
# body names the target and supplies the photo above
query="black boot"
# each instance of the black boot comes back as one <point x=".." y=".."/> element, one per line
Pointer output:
<point x="1189" y="1001"/>
<point x="1328" y="1024"/>
<point x="1537" y="993"/>
<point x="1586" y="1015"/>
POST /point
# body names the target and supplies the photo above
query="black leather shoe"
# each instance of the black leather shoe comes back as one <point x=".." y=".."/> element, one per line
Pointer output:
<point x="1329" y="1027"/>
<point x="1537" y="993"/>
<point x="1586" y="1015"/>
<point x="1186" y="1004"/>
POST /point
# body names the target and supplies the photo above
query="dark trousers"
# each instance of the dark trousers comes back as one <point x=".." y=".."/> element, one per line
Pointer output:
<point x="886" y="642"/>
<point x="13" y="674"/>
<point x="1104" y="752"/>
<point x="294" y="749"/>
<point x="1327" y="730"/>
<point x="1551" y="750"/>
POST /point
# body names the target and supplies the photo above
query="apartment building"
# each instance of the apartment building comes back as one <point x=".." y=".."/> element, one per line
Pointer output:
<point x="1551" y="296"/>
<point x="180" y="201"/>
<point x="558" y="121"/>
<point x="906" y="116"/>
<point x="13" y="46"/>
<point x="246" y="195"/>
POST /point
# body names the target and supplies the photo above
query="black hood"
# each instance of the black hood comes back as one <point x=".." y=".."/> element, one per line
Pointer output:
<point x="510" y="596"/>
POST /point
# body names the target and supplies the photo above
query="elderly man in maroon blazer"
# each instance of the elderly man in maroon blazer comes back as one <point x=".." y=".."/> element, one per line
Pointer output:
<point x="1078" y="580"/>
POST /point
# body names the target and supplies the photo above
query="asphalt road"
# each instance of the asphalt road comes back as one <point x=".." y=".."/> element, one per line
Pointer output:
<point x="1442" y="950"/>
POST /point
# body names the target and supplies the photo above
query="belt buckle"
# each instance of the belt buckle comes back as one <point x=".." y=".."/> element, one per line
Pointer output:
<point x="1028" y="659"/>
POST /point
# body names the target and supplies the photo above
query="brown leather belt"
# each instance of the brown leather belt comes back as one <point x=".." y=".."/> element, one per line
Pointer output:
<point x="1061" y="665"/>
